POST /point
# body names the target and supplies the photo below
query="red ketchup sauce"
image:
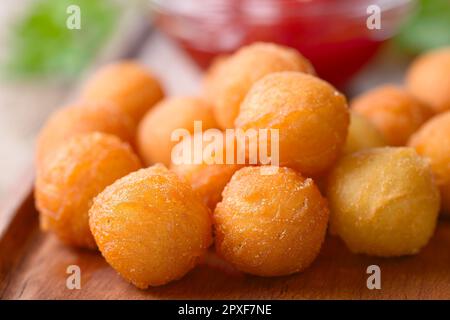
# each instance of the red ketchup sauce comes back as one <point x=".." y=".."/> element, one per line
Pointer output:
<point x="332" y="34"/>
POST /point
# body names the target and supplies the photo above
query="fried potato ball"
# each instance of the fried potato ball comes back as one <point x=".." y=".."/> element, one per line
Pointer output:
<point x="214" y="69"/>
<point x="130" y="85"/>
<point x="383" y="201"/>
<point x="77" y="172"/>
<point x="270" y="225"/>
<point x="208" y="180"/>
<point x="393" y="111"/>
<point x="432" y="141"/>
<point x="150" y="226"/>
<point x="209" y="177"/>
<point x="154" y="132"/>
<point x="231" y="79"/>
<point x="428" y="79"/>
<point x="80" y="118"/>
<point x="311" y="116"/>
<point x="362" y="134"/>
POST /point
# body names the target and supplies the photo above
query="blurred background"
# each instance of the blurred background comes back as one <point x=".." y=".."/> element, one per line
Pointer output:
<point x="42" y="61"/>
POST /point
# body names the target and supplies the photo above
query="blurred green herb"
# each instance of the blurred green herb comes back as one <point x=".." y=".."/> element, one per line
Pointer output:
<point x="428" y="28"/>
<point x="41" y="44"/>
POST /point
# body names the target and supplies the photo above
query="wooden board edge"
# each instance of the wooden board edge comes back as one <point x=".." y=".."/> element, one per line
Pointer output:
<point x="17" y="231"/>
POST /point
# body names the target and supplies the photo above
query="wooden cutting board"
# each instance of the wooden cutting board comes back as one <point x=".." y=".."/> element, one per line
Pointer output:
<point x="33" y="266"/>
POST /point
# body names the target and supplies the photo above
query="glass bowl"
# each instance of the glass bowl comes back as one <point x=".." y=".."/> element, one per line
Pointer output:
<point x="333" y="34"/>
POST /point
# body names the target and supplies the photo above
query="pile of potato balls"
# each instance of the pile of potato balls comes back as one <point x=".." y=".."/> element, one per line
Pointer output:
<point x="377" y="172"/>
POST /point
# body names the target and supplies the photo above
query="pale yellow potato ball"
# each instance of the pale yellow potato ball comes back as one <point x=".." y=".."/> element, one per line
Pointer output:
<point x="383" y="201"/>
<point x="362" y="134"/>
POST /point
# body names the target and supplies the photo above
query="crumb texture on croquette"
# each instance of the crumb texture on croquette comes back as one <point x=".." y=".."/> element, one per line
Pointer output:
<point x="393" y="111"/>
<point x="150" y="226"/>
<point x="383" y="201"/>
<point x="77" y="172"/>
<point x="270" y="225"/>
<point x="229" y="81"/>
<point x="311" y="116"/>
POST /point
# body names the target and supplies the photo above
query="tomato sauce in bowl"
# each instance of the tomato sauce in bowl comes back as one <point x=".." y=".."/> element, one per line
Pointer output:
<point x="338" y="36"/>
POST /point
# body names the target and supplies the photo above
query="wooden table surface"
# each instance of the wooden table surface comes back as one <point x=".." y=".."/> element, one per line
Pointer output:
<point x="33" y="265"/>
<point x="40" y="273"/>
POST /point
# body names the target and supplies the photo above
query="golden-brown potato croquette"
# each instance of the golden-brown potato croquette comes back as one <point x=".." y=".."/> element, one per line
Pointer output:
<point x="362" y="134"/>
<point x="214" y="69"/>
<point x="270" y="225"/>
<point x="232" y="78"/>
<point x="80" y="118"/>
<point x="311" y="116"/>
<point x="154" y="132"/>
<point x="150" y="226"/>
<point x="428" y="79"/>
<point x="128" y="84"/>
<point x="77" y="172"/>
<point x="209" y="177"/>
<point x="432" y="141"/>
<point x="383" y="201"/>
<point x="393" y="111"/>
